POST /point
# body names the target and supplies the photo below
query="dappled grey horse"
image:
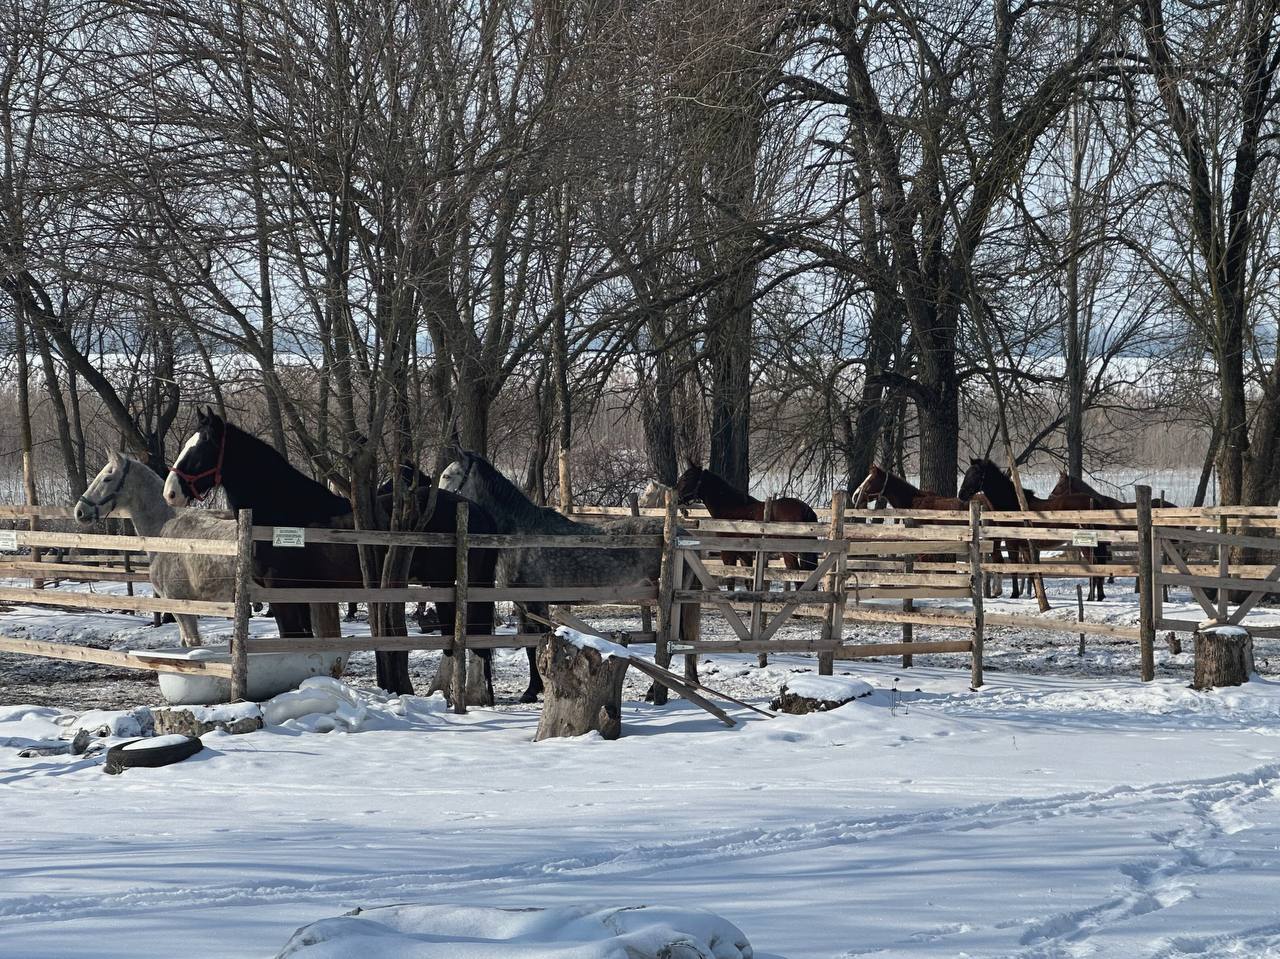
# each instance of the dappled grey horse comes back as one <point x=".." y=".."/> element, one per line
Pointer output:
<point x="474" y="477"/>
<point x="128" y="484"/>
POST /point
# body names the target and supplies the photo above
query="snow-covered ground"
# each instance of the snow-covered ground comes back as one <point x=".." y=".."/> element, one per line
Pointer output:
<point x="1063" y="810"/>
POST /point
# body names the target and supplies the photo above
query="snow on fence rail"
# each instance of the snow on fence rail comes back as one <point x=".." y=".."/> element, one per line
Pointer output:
<point x="865" y="561"/>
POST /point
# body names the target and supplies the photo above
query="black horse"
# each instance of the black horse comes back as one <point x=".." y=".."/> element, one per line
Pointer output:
<point x="255" y="476"/>
<point x="984" y="476"/>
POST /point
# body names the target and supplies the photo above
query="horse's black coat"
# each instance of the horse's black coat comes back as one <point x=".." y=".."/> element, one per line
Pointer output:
<point x="255" y="476"/>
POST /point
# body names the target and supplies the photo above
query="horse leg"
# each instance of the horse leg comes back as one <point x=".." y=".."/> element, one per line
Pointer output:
<point x="351" y="612"/>
<point x="189" y="629"/>
<point x="292" y="619"/>
<point x="479" y="690"/>
<point x="534" y="689"/>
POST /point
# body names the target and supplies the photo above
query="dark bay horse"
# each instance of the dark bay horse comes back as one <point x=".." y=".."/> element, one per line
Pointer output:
<point x="255" y="476"/>
<point x="473" y="476"/>
<point x="725" y="502"/>
<point x="984" y="476"/>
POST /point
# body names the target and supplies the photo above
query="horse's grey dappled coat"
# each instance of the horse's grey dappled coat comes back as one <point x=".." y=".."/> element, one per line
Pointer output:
<point x="474" y="477"/>
<point x="126" y="483"/>
<point x="478" y="480"/>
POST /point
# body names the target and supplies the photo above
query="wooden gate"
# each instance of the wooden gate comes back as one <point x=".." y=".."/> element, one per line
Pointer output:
<point x="1212" y="583"/>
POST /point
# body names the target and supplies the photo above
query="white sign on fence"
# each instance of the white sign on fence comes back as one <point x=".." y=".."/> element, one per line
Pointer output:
<point x="288" y="536"/>
<point x="688" y="543"/>
<point x="1085" y="537"/>
<point x="9" y="539"/>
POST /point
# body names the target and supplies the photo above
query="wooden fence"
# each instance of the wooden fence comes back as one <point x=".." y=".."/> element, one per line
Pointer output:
<point x="871" y="568"/>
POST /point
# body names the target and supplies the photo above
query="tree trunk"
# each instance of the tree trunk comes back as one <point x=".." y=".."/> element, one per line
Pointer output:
<point x="1224" y="657"/>
<point x="939" y="439"/>
<point x="583" y="690"/>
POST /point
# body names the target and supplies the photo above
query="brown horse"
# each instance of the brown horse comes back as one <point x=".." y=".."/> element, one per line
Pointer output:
<point x="984" y="476"/>
<point x="898" y="493"/>
<point x="1066" y="485"/>
<point x="724" y="502"/>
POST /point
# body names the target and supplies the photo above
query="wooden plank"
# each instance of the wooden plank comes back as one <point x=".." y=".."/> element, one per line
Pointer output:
<point x="243" y="606"/>
<point x="1059" y="534"/>
<point x="909" y="592"/>
<point x="669" y="580"/>
<point x="151" y="544"/>
<point x="1062" y="625"/>
<point x="758" y="646"/>
<point x="111" y="657"/>
<point x="789" y="597"/>
<point x="1214" y="539"/>
<point x="726" y="609"/>
<point x="906" y="547"/>
<point x="46" y="597"/>
<point x="1159" y="577"/>
<point x="306" y="644"/>
<point x="759" y="528"/>
<point x="1147" y="584"/>
<point x="1190" y="626"/>
<point x="77" y="572"/>
<point x="772" y="544"/>
<point x="1253" y="599"/>
<point x="867" y="579"/>
<point x="868" y="650"/>
<point x="618" y="595"/>
<point x="833" y="624"/>
<point x="861" y="614"/>
<point x="460" y="594"/>
<point x="1216" y="582"/>
<point x="353" y="537"/>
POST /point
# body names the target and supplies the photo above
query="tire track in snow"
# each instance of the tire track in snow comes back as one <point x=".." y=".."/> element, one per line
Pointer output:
<point x="724" y="846"/>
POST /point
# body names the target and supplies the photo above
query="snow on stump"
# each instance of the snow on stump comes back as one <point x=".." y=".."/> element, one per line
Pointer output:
<point x="487" y="932"/>
<point x="583" y="677"/>
<point x="232" y="718"/>
<point x="807" y="693"/>
<point x="1224" y="657"/>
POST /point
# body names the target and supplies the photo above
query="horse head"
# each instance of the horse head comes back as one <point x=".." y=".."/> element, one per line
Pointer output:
<point x="869" y="489"/>
<point x="1063" y="486"/>
<point x="198" y="469"/>
<point x="688" y="486"/>
<point x="456" y="475"/>
<point x="100" y="497"/>
<point x="976" y="478"/>
<point x="653" y="495"/>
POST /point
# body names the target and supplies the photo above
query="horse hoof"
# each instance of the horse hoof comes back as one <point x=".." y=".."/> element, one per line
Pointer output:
<point x="529" y="696"/>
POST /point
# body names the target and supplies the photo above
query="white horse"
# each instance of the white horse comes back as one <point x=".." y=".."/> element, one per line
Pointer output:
<point x="127" y="483"/>
<point x="653" y="496"/>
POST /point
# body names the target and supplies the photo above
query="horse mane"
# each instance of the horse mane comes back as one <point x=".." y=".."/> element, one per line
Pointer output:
<point x="722" y="488"/>
<point x="901" y="485"/>
<point x="281" y="493"/>
<point x="511" y="508"/>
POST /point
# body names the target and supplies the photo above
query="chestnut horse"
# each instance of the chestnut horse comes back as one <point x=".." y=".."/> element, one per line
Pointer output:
<point x="881" y="484"/>
<point x="724" y="502"/>
<point x="898" y="493"/>
<point x="984" y="476"/>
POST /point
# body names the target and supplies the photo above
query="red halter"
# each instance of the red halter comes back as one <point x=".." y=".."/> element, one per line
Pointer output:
<point x="216" y="472"/>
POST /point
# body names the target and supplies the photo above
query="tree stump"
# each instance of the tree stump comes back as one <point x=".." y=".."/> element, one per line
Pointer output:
<point x="195" y="721"/>
<point x="817" y="694"/>
<point x="583" y="679"/>
<point x="1224" y="657"/>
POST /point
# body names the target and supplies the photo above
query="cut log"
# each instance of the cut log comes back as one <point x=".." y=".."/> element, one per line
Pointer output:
<point x="583" y="677"/>
<point x="235" y="718"/>
<point x="1224" y="657"/>
<point x="816" y="694"/>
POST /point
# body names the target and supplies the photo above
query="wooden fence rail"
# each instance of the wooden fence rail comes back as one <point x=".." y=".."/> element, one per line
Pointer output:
<point x="873" y="567"/>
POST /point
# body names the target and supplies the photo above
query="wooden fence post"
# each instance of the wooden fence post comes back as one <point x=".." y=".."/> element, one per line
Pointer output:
<point x="908" y="605"/>
<point x="833" y="625"/>
<point x="460" y="610"/>
<point x="667" y="611"/>
<point x="243" y="606"/>
<point x="1146" y="585"/>
<point x="757" y="584"/>
<point x="1224" y="567"/>
<point x="975" y="574"/>
<point x="646" y="617"/>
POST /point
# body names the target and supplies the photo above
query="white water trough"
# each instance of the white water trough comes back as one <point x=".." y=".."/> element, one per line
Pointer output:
<point x="269" y="674"/>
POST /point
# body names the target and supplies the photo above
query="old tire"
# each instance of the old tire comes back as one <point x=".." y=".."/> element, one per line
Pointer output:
<point x="120" y="758"/>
